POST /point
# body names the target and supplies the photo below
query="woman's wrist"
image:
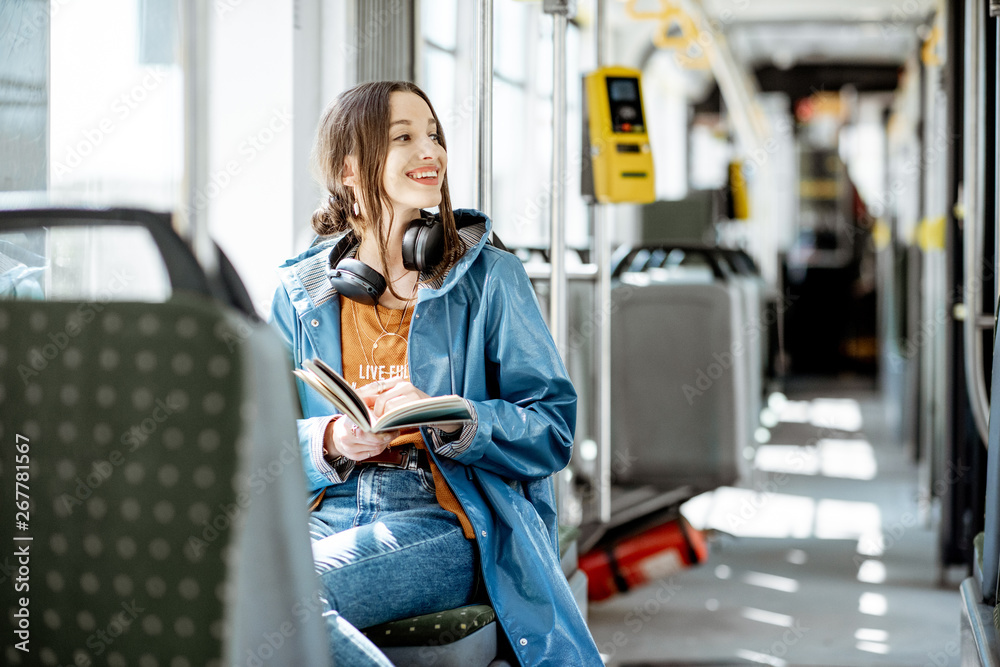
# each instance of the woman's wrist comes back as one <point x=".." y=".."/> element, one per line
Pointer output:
<point x="330" y="451"/>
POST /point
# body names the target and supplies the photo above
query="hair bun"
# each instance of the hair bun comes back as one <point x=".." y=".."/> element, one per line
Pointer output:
<point x="324" y="219"/>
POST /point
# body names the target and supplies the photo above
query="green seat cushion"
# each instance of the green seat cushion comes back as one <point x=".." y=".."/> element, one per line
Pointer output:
<point x="432" y="629"/>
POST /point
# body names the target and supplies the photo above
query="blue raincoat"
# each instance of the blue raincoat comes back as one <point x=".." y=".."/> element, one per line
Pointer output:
<point x="479" y="334"/>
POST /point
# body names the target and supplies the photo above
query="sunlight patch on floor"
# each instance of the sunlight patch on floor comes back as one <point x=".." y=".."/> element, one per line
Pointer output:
<point x="760" y="658"/>
<point x="830" y="457"/>
<point x="873" y="604"/>
<point x="850" y="459"/>
<point x="748" y="513"/>
<point x="841" y="414"/>
<point x="846" y="519"/>
<point x="772" y="581"/>
<point x="871" y="635"/>
<point x="872" y="572"/>
<point x="769" y="617"/>
<point x="872" y="647"/>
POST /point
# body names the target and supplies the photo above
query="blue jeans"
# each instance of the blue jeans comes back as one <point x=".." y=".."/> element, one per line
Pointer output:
<point x="384" y="550"/>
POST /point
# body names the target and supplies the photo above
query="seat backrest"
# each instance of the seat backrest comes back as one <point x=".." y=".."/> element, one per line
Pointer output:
<point x="990" y="573"/>
<point x="676" y="401"/>
<point x="163" y="513"/>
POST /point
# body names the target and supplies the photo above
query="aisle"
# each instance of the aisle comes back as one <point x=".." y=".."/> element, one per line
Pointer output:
<point x="830" y="562"/>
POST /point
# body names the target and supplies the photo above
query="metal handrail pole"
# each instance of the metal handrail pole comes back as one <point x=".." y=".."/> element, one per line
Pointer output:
<point x="600" y="24"/>
<point x="974" y="170"/>
<point x="483" y="120"/>
<point x="191" y="222"/>
<point x="602" y="310"/>
<point x="557" y="228"/>
<point x="927" y="388"/>
<point x="602" y="244"/>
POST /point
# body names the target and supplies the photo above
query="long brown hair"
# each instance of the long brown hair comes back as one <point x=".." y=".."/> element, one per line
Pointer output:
<point x="357" y="124"/>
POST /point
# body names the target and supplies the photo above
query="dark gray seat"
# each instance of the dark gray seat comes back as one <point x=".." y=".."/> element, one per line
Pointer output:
<point x="165" y="521"/>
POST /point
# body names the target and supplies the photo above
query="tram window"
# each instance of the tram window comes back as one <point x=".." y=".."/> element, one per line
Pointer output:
<point x="439" y="23"/>
<point x="512" y="55"/>
<point x="667" y="93"/>
<point x="115" y="121"/>
<point x="522" y="146"/>
<point x="84" y="263"/>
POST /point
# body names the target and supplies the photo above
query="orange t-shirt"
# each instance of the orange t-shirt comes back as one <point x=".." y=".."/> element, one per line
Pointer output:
<point x="373" y="347"/>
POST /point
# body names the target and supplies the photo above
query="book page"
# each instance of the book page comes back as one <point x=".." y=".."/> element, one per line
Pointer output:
<point x="343" y="398"/>
<point x="321" y="368"/>
<point x="450" y="409"/>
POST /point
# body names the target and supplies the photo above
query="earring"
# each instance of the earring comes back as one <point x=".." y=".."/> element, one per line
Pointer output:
<point x="357" y="209"/>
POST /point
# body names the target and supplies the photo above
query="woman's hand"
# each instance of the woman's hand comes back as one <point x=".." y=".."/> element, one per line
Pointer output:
<point x="386" y="395"/>
<point x="344" y="438"/>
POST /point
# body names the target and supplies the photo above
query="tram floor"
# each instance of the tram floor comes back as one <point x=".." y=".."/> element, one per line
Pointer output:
<point x="825" y="557"/>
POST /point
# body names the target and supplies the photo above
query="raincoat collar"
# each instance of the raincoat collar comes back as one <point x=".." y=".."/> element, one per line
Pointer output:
<point x="304" y="276"/>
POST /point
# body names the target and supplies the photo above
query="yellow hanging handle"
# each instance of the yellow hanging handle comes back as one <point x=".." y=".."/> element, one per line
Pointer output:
<point x="689" y="50"/>
<point x="928" y="53"/>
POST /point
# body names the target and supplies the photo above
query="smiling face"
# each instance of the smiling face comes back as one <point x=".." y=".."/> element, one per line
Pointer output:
<point x="416" y="161"/>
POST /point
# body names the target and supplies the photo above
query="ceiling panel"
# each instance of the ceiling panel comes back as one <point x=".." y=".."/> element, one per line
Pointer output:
<point x="890" y="11"/>
<point x="786" y="33"/>
<point x="787" y="45"/>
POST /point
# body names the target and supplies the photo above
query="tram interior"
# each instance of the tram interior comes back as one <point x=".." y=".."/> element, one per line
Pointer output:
<point x="776" y="458"/>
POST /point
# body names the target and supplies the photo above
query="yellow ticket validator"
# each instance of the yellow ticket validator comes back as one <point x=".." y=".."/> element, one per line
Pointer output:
<point x="621" y="162"/>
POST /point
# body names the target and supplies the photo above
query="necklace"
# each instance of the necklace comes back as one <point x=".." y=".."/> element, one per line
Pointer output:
<point x="402" y="317"/>
<point x="385" y="332"/>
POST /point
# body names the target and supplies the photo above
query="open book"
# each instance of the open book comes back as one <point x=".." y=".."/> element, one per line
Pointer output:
<point x="333" y="387"/>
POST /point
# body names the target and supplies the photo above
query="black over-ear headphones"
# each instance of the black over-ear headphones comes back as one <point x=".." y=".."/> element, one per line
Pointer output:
<point x="423" y="249"/>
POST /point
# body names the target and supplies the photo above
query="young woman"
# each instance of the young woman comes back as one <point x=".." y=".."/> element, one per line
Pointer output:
<point x="416" y="522"/>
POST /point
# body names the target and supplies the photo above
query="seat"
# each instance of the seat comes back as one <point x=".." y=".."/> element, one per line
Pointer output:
<point x="462" y="637"/>
<point x="980" y="613"/>
<point x="466" y="636"/>
<point x="676" y="333"/>
<point x="157" y="450"/>
<point x="753" y="329"/>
